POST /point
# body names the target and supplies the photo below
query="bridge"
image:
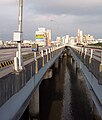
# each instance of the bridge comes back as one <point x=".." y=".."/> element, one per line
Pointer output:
<point x="89" y="61"/>
<point x="20" y="88"/>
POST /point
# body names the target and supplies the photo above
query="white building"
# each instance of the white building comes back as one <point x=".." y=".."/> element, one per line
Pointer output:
<point x="43" y="37"/>
<point x="1" y="42"/>
<point x="67" y="39"/>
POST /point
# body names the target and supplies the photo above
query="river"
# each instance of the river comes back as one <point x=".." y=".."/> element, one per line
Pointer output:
<point x="65" y="96"/>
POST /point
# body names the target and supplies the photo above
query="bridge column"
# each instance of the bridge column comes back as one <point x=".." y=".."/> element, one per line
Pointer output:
<point x="61" y="57"/>
<point x="34" y="105"/>
<point x="48" y="74"/>
<point x="57" y="63"/>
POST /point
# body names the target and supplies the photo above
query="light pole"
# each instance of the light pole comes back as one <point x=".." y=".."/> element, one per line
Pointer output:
<point x="20" y="32"/>
<point x="18" y="36"/>
<point x="20" y="15"/>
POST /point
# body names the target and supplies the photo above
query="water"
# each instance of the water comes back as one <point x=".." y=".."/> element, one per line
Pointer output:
<point x="64" y="96"/>
<point x="66" y="109"/>
<point x="80" y="105"/>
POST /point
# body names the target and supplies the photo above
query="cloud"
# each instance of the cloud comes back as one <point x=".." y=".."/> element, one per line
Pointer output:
<point x="78" y="7"/>
<point x="8" y="2"/>
<point x="63" y="17"/>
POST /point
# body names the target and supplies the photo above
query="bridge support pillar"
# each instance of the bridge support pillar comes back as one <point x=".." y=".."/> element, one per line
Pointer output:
<point x="57" y="63"/>
<point x="34" y="105"/>
<point x="48" y="74"/>
<point x="60" y="58"/>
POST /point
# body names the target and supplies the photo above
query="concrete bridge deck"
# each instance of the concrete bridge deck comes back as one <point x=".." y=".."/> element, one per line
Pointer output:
<point x="16" y="88"/>
<point x="89" y="61"/>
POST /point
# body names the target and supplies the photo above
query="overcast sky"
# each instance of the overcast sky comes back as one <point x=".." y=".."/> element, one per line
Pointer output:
<point x="61" y="16"/>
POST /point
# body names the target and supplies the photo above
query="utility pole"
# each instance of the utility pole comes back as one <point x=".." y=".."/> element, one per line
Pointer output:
<point x="20" y="15"/>
<point x="20" y="32"/>
<point x="18" y="38"/>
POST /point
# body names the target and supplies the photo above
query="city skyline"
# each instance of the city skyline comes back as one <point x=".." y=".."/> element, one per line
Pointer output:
<point x="62" y="17"/>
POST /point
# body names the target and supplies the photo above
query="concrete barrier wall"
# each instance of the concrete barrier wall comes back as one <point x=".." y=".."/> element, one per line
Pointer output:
<point x="15" y="81"/>
<point x="91" y="74"/>
<point x="92" y="64"/>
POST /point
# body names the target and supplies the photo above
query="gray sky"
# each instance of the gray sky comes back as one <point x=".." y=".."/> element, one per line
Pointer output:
<point x="61" y="16"/>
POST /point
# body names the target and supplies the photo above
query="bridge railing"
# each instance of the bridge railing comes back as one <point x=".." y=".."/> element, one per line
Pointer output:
<point x="92" y="58"/>
<point x="13" y="82"/>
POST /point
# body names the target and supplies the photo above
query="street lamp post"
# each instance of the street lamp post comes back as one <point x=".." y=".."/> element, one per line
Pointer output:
<point x="20" y="32"/>
<point x="18" y="38"/>
<point x="20" y="15"/>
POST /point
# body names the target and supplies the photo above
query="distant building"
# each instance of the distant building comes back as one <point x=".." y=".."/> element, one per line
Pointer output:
<point x="58" y="40"/>
<point x="80" y="36"/>
<point x="1" y="42"/>
<point x="88" y="39"/>
<point x="72" y="41"/>
<point x="40" y="37"/>
<point x="27" y="42"/>
<point x="48" y="37"/>
<point x="63" y="39"/>
<point x="100" y="40"/>
<point x="43" y="37"/>
<point x="66" y="39"/>
<point x="84" y="39"/>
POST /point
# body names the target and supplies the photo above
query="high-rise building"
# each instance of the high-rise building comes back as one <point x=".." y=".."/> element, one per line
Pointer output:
<point x="48" y="38"/>
<point x="80" y="36"/>
<point x="88" y="39"/>
<point x="43" y="37"/>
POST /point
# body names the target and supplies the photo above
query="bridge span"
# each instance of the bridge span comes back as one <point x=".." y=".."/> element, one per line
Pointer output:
<point x="17" y="87"/>
<point x="89" y="61"/>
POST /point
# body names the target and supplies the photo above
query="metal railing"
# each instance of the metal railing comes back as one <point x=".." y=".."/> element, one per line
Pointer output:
<point x="13" y="82"/>
<point x="92" y="58"/>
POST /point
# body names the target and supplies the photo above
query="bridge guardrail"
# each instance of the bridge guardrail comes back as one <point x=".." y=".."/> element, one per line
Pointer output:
<point x="15" y="81"/>
<point x="92" y="59"/>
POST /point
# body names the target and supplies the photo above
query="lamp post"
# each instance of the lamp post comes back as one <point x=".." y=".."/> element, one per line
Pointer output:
<point x="18" y="37"/>
<point x="20" y="15"/>
<point x="20" y="32"/>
